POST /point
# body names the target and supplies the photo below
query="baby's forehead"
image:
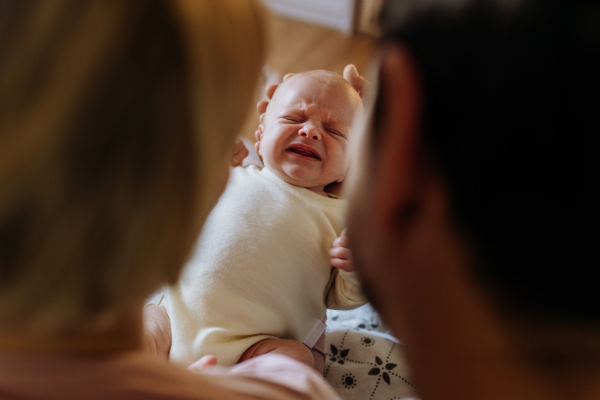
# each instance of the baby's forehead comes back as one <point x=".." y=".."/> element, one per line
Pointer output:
<point x="324" y="80"/>
<point x="321" y="88"/>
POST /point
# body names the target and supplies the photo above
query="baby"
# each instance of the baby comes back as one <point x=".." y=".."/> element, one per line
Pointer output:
<point x="261" y="278"/>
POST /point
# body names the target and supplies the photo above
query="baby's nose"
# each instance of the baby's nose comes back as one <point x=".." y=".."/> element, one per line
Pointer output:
<point x="310" y="132"/>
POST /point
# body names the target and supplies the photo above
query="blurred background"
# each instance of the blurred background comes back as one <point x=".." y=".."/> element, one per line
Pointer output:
<point x="317" y="34"/>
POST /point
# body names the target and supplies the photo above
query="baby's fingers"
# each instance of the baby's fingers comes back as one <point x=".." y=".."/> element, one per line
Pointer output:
<point x="261" y="106"/>
<point x="257" y="133"/>
<point x="341" y="241"/>
<point x="358" y="82"/>
<point x="270" y="90"/>
<point x="340" y="257"/>
<point x="339" y="252"/>
<point x="344" y="265"/>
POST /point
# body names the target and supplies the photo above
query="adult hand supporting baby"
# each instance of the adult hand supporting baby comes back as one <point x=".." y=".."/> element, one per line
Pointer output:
<point x="340" y="255"/>
<point x="358" y="82"/>
<point x="157" y="331"/>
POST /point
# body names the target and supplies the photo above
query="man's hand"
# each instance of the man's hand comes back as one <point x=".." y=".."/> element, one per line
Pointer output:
<point x="157" y="331"/>
<point x="340" y="255"/>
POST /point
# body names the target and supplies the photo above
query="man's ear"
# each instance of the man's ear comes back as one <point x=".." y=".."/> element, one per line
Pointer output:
<point x="259" y="139"/>
<point x="396" y="142"/>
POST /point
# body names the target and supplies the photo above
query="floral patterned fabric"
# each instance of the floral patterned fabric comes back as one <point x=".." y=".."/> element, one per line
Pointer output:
<point x="363" y="361"/>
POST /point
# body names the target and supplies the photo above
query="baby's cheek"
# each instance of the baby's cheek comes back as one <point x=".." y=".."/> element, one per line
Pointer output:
<point x="271" y="154"/>
<point x="341" y="156"/>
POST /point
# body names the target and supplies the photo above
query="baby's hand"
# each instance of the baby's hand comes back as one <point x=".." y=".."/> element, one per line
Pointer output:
<point x="339" y="254"/>
<point x="157" y="331"/>
<point x="239" y="153"/>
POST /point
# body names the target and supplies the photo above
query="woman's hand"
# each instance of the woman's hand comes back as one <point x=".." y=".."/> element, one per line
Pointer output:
<point x="157" y="331"/>
<point x="340" y="255"/>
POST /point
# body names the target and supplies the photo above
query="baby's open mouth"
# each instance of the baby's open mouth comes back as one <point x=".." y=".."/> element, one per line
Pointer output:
<point x="305" y="151"/>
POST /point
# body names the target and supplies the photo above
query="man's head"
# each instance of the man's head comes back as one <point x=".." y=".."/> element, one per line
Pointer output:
<point x="477" y="204"/>
<point x="305" y="131"/>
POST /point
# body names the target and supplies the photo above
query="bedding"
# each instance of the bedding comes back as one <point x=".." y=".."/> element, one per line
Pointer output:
<point x="363" y="361"/>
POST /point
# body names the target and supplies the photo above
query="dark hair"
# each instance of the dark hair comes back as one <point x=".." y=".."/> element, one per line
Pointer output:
<point x="511" y="101"/>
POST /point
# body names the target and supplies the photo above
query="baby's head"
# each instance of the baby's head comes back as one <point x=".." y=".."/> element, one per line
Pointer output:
<point x="305" y="131"/>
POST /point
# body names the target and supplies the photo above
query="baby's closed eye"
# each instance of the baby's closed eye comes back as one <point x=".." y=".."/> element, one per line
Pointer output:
<point x="335" y="132"/>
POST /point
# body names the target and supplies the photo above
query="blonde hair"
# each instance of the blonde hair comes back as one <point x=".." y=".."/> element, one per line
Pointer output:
<point x="116" y="117"/>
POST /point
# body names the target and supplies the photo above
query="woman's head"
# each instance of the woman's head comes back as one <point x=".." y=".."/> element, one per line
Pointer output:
<point x="115" y="121"/>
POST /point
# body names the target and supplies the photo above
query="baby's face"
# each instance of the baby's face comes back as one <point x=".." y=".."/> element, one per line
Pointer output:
<point x="306" y="130"/>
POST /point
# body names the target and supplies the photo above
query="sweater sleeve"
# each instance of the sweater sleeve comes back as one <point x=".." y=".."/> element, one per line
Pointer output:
<point x="344" y="291"/>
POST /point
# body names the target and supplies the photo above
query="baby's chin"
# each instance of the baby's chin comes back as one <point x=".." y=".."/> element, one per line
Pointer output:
<point x="299" y="176"/>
